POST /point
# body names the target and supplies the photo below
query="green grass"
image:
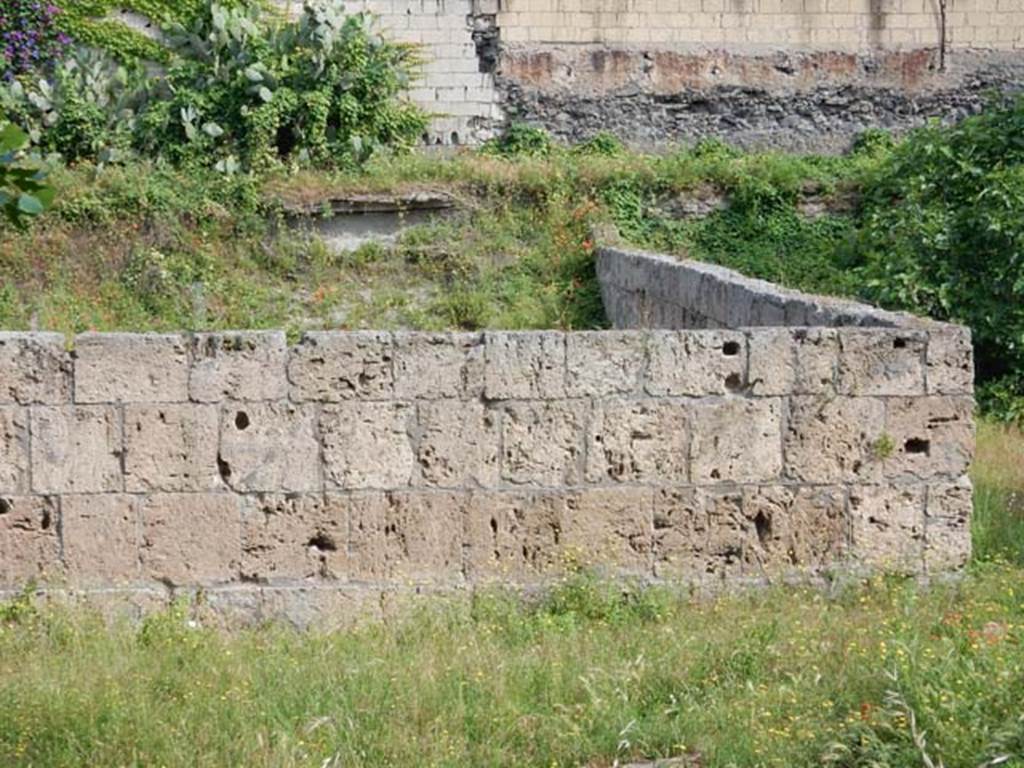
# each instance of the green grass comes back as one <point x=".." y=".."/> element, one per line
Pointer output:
<point x="144" y="247"/>
<point x="884" y="674"/>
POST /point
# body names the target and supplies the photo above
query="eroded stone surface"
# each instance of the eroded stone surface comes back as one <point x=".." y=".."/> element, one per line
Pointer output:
<point x="131" y="368"/>
<point x="947" y="531"/>
<point x="14" y="451"/>
<point x="76" y="449"/>
<point x="457" y="444"/>
<point x="696" y="363"/>
<point x="736" y="440"/>
<point x="610" y="528"/>
<point x="334" y="367"/>
<point x="797" y="530"/>
<point x="171" y="448"/>
<point x="605" y="363"/>
<point x="191" y="538"/>
<point x="269" y="447"/>
<point x="29" y="544"/>
<point x="247" y="365"/>
<point x="513" y="535"/>
<point x="368" y="445"/>
<point x="950" y="361"/>
<point x="542" y="443"/>
<point x="881" y="362"/>
<point x="699" y="533"/>
<point x="524" y="365"/>
<point x="793" y="361"/>
<point x="931" y="436"/>
<point x="35" y="368"/>
<point x="321" y="609"/>
<point x="101" y="539"/>
<point x="638" y="441"/>
<point x="409" y="536"/>
<point x="435" y="366"/>
<point x="888" y="527"/>
<point x="835" y="439"/>
<point x="295" y="536"/>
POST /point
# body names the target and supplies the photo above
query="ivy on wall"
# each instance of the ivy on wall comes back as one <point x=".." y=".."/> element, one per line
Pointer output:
<point x="90" y="22"/>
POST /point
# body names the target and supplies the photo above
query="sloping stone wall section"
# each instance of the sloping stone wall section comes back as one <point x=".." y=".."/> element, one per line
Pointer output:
<point x="325" y="480"/>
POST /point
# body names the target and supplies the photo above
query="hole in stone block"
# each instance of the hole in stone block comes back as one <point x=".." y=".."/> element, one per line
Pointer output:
<point x="899" y="344"/>
<point x="46" y="521"/>
<point x="323" y="542"/>
<point x="716" y="475"/>
<point x="763" y="524"/>
<point x="917" y="445"/>
<point x="494" y="527"/>
<point x="731" y="348"/>
<point x="734" y="382"/>
<point x="224" y="469"/>
<point x="455" y="138"/>
<point x="5" y="506"/>
<point x="242" y="420"/>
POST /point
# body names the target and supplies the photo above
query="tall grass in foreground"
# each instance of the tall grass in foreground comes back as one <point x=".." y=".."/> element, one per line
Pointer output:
<point x="998" y="475"/>
<point x="885" y="674"/>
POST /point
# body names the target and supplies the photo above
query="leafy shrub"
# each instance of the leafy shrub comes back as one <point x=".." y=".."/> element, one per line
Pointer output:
<point x="601" y="144"/>
<point x="520" y="140"/>
<point x="244" y="90"/>
<point x="29" y="37"/>
<point x="85" y="110"/>
<point x="23" y="189"/>
<point x="943" y="234"/>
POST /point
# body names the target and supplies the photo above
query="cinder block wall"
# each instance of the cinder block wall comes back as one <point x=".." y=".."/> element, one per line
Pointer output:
<point x="834" y="25"/>
<point x="317" y="482"/>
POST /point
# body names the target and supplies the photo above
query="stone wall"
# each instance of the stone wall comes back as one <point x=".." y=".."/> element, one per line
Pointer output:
<point x="321" y="481"/>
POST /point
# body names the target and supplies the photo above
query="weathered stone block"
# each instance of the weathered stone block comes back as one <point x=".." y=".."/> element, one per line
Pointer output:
<point x="950" y="360"/>
<point x="457" y="444"/>
<point x="35" y="368"/>
<point x="76" y="449"/>
<point x="436" y="366"/>
<point x="638" y="441"/>
<point x="14" y="451"/>
<point x="600" y="363"/>
<point x="947" y="527"/>
<point x="797" y="361"/>
<point x="700" y="534"/>
<point x="513" y="535"/>
<point x="334" y="367"/>
<point x="888" y="527"/>
<point x="321" y="609"/>
<point x="191" y="538"/>
<point x="880" y="361"/>
<point x="542" y="443"/>
<point x="413" y="536"/>
<point x="295" y="536"/>
<point x="368" y="445"/>
<point x="239" y="366"/>
<point x="524" y="365"/>
<point x="131" y="368"/>
<point x="101" y="539"/>
<point x="797" y="531"/>
<point x="171" y="448"/>
<point x="696" y="363"/>
<point x="931" y="436"/>
<point x="835" y="440"/>
<point x="269" y="447"/>
<point x="29" y="544"/>
<point x="610" y="527"/>
<point x="736" y="440"/>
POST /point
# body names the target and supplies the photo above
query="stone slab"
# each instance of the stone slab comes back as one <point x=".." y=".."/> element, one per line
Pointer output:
<point x="131" y="368"/>
<point x="250" y="365"/>
<point x="35" y="368"/>
<point x="76" y="449"/>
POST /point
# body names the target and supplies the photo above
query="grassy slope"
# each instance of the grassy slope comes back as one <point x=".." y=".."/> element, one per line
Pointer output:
<point x="590" y="675"/>
<point x="132" y="248"/>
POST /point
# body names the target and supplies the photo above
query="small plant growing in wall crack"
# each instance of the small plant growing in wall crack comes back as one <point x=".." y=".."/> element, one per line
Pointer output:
<point x="883" y="447"/>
